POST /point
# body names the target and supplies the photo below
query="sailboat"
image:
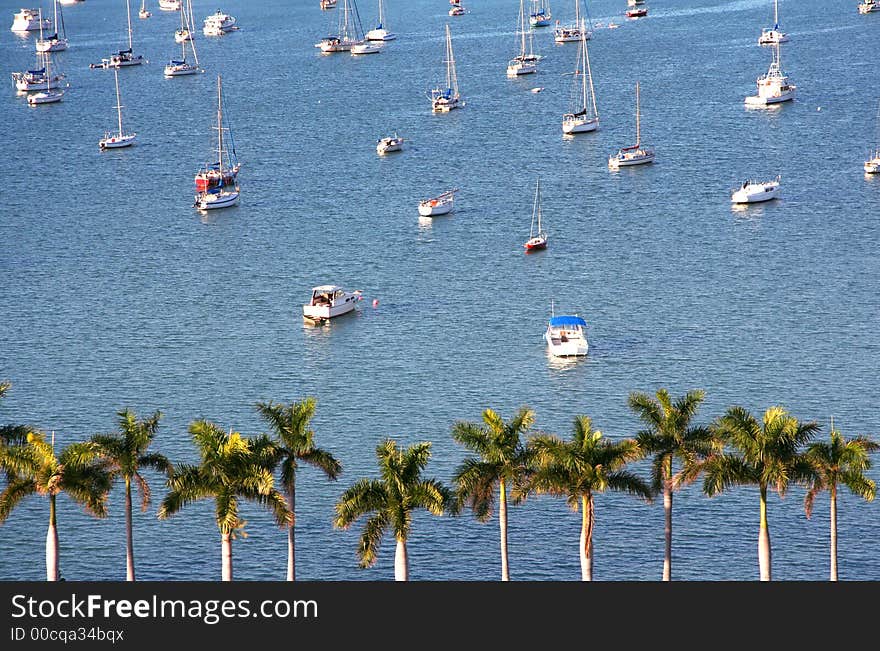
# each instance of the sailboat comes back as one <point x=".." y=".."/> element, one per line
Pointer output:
<point x="40" y="78"/>
<point x="187" y="30"/>
<point x="585" y="116"/>
<point x="537" y="235"/>
<point x="445" y="99"/>
<point x="771" y="35"/>
<point x="872" y="165"/>
<point x="773" y="87"/>
<point x="120" y="138"/>
<point x="540" y="15"/>
<point x="47" y="96"/>
<point x="143" y="13"/>
<point x="214" y="182"/>
<point x="54" y="43"/>
<point x="637" y="154"/>
<point x="177" y="68"/>
<point x="123" y="57"/>
<point x="568" y="33"/>
<point x="381" y="33"/>
<point x="347" y="34"/>
<point x="520" y="64"/>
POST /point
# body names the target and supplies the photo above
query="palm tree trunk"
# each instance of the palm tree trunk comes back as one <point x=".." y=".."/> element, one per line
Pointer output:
<point x="502" y="523"/>
<point x="226" y="540"/>
<point x="129" y="542"/>
<point x="291" y="542"/>
<point x="833" y="533"/>
<point x="401" y="562"/>
<point x="764" y="540"/>
<point x="52" y="543"/>
<point x="667" y="508"/>
<point x="586" y="548"/>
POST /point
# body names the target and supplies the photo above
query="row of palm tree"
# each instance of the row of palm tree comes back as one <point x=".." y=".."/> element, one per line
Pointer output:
<point x="509" y="464"/>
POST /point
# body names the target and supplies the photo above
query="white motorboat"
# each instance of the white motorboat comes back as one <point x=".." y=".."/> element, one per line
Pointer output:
<point x="365" y="47"/>
<point x="442" y="204"/>
<point x="380" y="33"/>
<point x="756" y="191"/>
<point x="389" y="144"/>
<point x="584" y="114"/>
<point x="565" y="336"/>
<point x="773" y="35"/>
<point x="869" y="6"/>
<point x="169" y="5"/>
<point x="29" y="20"/>
<point x="574" y="31"/>
<point x="222" y="20"/>
<point x="773" y="87"/>
<point x="637" y="154"/>
<point x="120" y="138"/>
<point x="329" y="301"/>
<point x="448" y="98"/>
<point x="539" y="14"/>
<point x="55" y="42"/>
<point x="217" y="198"/>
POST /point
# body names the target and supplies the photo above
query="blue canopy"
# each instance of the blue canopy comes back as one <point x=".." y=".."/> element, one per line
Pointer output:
<point x="567" y="321"/>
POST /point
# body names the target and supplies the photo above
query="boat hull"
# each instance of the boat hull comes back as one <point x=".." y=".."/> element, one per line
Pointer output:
<point x="567" y="346"/>
<point x="365" y="48"/>
<point x="380" y="35"/>
<point x="742" y="196"/>
<point x="521" y="68"/>
<point x="180" y="70"/>
<point x="24" y="84"/>
<point x="49" y="97"/>
<point x="117" y="142"/>
<point x="54" y="45"/>
<point x="217" y="201"/>
<point x="579" y="125"/>
<point x="535" y="244"/>
<point x="427" y="210"/>
<point x="872" y="166"/>
<point x="320" y="312"/>
<point x="643" y="158"/>
<point x="758" y="100"/>
<point x="772" y="37"/>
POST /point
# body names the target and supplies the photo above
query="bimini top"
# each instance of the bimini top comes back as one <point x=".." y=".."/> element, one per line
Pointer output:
<point x="326" y="288"/>
<point x="567" y="321"/>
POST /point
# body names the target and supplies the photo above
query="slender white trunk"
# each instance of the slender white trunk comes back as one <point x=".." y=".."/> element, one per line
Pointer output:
<point x="667" y="508"/>
<point x="401" y="562"/>
<point x="502" y="523"/>
<point x="129" y="541"/>
<point x="291" y="542"/>
<point x="834" y="533"/>
<point x="764" y="555"/>
<point x="52" y="544"/>
<point x="226" y="540"/>
<point x="586" y="546"/>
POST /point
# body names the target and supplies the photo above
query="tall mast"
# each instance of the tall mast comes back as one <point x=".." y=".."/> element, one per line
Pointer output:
<point x="220" y="127"/>
<point x="451" y="81"/>
<point x="191" y="26"/>
<point x="381" y="14"/>
<point x="522" y="29"/>
<point x="128" y="10"/>
<point x="41" y="23"/>
<point x="589" y="75"/>
<point x="577" y="12"/>
<point x="118" y="100"/>
<point x="775" y="14"/>
<point x="638" y="123"/>
<point x="55" y="21"/>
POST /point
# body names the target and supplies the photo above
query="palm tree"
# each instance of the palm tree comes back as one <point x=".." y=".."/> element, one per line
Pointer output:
<point x="840" y="461"/>
<point x="126" y="453"/>
<point x="34" y="467"/>
<point x="670" y="437"/>
<point x="12" y="434"/>
<point x="502" y="462"/>
<point x="578" y="470"/>
<point x="391" y="500"/>
<point x="232" y="467"/>
<point x="767" y="454"/>
<point x="295" y="442"/>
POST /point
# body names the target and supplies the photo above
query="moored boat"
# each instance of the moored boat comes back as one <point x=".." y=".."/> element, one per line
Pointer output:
<point x="29" y="20"/>
<point x="329" y="301"/>
<point x="756" y="191"/>
<point x="565" y="336"/>
<point x="442" y="204"/>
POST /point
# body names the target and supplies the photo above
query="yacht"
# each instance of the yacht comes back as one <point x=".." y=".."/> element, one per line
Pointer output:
<point x="872" y="165"/>
<point x="869" y="6"/>
<point x="28" y="20"/>
<point x="389" y="144"/>
<point x="637" y="154"/>
<point x="223" y="21"/>
<point x="565" y="336"/>
<point x="328" y="301"/>
<point x="169" y="5"/>
<point x="755" y="191"/>
<point x="773" y="86"/>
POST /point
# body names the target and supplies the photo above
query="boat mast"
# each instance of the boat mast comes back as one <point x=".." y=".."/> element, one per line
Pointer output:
<point x="191" y="26"/>
<point x="40" y="15"/>
<point x="538" y="202"/>
<point x="776" y="14"/>
<point x="381" y="14"/>
<point x="451" y="79"/>
<point x="638" y="123"/>
<point x="522" y="30"/>
<point x="220" y="128"/>
<point x="128" y="11"/>
<point x="118" y="101"/>
<point x="55" y="20"/>
<point x="589" y="76"/>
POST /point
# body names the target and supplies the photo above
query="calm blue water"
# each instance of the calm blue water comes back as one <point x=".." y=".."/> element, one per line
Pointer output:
<point x="117" y="293"/>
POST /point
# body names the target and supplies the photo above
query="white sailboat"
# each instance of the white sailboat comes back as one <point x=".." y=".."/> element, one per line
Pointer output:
<point x="585" y="115"/>
<point x="380" y="33"/>
<point x="123" y="57"/>
<point x="143" y="13"/>
<point x="47" y="96"/>
<point x="219" y="196"/>
<point x="773" y="87"/>
<point x="56" y="42"/>
<point x="120" y="138"/>
<point x="522" y="64"/>
<point x="179" y="67"/>
<point x="872" y="164"/>
<point x="771" y="35"/>
<point x="539" y="15"/>
<point x="442" y="204"/>
<point x="572" y="32"/>
<point x="446" y="99"/>
<point x="170" y="5"/>
<point x="637" y="154"/>
<point x="39" y="78"/>
<point x="537" y="235"/>
<point x="187" y="29"/>
<point x="347" y="35"/>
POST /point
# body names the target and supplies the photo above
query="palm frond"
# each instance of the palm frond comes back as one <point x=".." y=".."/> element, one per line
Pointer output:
<point x="365" y="496"/>
<point x="371" y="539"/>
<point x="16" y="490"/>
<point x="323" y="461"/>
